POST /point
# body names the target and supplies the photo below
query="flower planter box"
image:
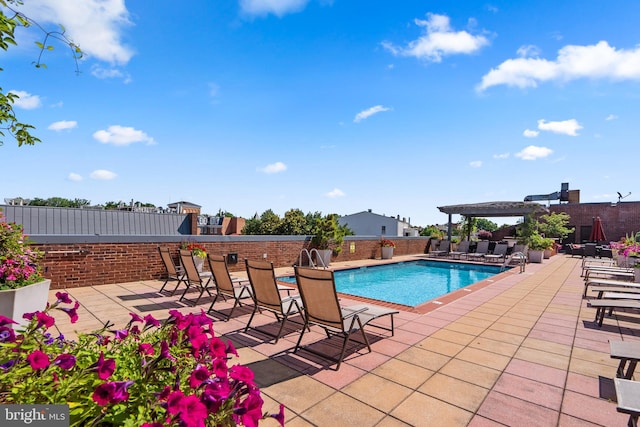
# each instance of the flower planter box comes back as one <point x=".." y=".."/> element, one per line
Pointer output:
<point x="536" y="256"/>
<point x="387" y="252"/>
<point x="15" y="302"/>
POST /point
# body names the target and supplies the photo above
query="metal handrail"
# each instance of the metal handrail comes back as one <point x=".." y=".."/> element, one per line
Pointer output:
<point x="311" y="263"/>
<point x="520" y="257"/>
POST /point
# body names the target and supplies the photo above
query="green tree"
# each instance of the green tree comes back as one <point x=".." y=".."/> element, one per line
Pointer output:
<point x="8" y="23"/>
<point x="269" y="222"/>
<point x="485" y="224"/>
<point x="293" y="223"/>
<point x="555" y="225"/>
<point x="328" y="234"/>
<point x="59" y="202"/>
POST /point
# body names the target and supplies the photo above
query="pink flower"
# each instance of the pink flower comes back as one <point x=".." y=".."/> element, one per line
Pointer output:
<point x="217" y="347"/>
<point x="193" y="412"/>
<point x="7" y="334"/>
<point x="65" y="361"/>
<point x="280" y="415"/>
<point x="63" y="297"/>
<point x="242" y="373"/>
<point x="231" y="349"/>
<point x="198" y="376"/>
<point x="173" y="402"/>
<point x="151" y="321"/>
<point x="104" y="367"/>
<point x="6" y="321"/>
<point x="220" y="368"/>
<point x="103" y="394"/>
<point x="72" y="312"/>
<point x="135" y="317"/>
<point x="145" y="348"/>
<point x="250" y="410"/>
<point x="38" y="360"/>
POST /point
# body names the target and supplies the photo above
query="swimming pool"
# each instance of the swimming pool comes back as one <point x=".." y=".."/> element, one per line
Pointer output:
<point x="409" y="283"/>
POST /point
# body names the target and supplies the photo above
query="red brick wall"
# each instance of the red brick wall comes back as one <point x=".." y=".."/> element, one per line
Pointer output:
<point x="617" y="220"/>
<point x="103" y="263"/>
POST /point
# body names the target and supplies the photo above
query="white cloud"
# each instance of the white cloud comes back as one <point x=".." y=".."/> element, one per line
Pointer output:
<point x="438" y="40"/>
<point x="63" y="125"/>
<point x="95" y="25"/>
<point x="528" y="51"/>
<point x="370" y="112"/>
<point x="102" y="175"/>
<point x="475" y="163"/>
<point x="25" y="100"/>
<point x="611" y="117"/>
<point x="276" y="7"/>
<point x="74" y="177"/>
<point x="599" y="61"/>
<point x="501" y="156"/>
<point x="276" y="167"/>
<point x="530" y="133"/>
<point x="566" y="127"/>
<point x="110" y="73"/>
<point x="336" y="192"/>
<point x="533" y="152"/>
<point x="122" y="135"/>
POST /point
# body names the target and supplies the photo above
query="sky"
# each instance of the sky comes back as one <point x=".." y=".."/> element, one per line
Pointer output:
<point x="333" y="106"/>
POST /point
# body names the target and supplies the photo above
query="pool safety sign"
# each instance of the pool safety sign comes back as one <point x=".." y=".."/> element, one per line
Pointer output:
<point x="34" y="415"/>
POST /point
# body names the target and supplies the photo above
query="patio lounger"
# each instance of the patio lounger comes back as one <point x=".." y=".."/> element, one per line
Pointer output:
<point x="463" y="249"/>
<point x="443" y="249"/>
<point x="322" y="308"/>
<point x="266" y="295"/>
<point x="192" y="277"/>
<point x="575" y="250"/>
<point x="175" y="273"/>
<point x="597" y="282"/>
<point x="589" y="250"/>
<point x="225" y="285"/>
<point x="481" y="250"/>
<point x="601" y="305"/>
<point x="609" y="271"/>
<point x="499" y="253"/>
<point x="626" y="352"/>
<point x="596" y="262"/>
<point x="628" y="398"/>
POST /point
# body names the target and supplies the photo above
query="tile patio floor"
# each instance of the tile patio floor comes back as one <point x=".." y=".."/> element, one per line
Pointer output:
<point x="522" y="350"/>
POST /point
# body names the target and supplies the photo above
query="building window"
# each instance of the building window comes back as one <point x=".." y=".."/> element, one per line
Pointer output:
<point x="384" y="230"/>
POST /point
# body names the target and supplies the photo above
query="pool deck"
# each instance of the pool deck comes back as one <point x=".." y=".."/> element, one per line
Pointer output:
<point x="517" y="349"/>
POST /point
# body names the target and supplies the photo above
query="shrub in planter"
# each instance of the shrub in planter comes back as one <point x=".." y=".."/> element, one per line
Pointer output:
<point x="18" y="261"/>
<point x="150" y="374"/>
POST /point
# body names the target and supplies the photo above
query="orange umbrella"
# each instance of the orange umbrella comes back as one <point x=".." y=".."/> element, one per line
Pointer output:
<point x="597" y="233"/>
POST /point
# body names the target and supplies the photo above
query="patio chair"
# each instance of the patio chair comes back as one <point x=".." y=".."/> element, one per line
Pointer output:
<point x="575" y="249"/>
<point x="322" y="308"/>
<point x="499" y="253"/>
<point x="225" y="285"/>
<point x="192" y="277"/>
<point x="628" y="398"/>
<point x="597" y="283"/>
<point x="589" y="250"/>
<point x="266" y="295"/>
<point x="601" y="306"/>
<point x="443" y="249"/>
<point x="463" y="249"/>
<point x="626" y="352"/>
<point x="174" y="273"/>
<point x="481" y="250"/>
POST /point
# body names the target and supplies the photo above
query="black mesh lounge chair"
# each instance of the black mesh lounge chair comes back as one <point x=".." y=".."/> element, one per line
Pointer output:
<point x="225" y="285"/>
<point x="266" y="295"/>
<point x="443" y="249"/>
<point x="481" y="251"/>
<point x="322" y="308"/>
<point x="499" y="253"/>
<point x="463" y="249"/>
<point x="174" y="273"/>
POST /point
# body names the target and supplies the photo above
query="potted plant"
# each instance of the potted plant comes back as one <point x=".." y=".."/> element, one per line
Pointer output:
<point x="387" y="247"/>
<point x="22" y="287"/>
<point x="149" y="373"/>
<point x="537" y="245"/>
<point x="327" y="238"/>
<point x="198" y="251"/>
<point x="554" y="225"/>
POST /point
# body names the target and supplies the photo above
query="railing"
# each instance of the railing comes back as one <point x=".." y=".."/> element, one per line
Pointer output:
<point x="309" y="253"/>
<point x="520" y="257"/>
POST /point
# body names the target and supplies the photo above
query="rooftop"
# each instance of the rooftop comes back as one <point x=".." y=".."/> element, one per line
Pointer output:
<point x="522" y="350"/>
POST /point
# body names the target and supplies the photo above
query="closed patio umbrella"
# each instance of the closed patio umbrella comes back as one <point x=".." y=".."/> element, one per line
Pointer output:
<point x="597" y="233"/>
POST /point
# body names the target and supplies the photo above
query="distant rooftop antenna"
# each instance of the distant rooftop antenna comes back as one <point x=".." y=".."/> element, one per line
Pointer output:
<point x="620" y="196"/>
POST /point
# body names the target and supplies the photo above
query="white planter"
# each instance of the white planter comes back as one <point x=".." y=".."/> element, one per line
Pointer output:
<point x="547" y="254"/>
<point x="536" y="256"/>
<point x="325" y="255"/>
<point x="16" y="302"/>
<point x="636" y="275"/>
<point x="199" y="263"/>
<point x="387" y="252"/>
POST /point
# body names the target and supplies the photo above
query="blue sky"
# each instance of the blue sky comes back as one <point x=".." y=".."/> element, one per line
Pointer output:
<point x="333" y="106"/>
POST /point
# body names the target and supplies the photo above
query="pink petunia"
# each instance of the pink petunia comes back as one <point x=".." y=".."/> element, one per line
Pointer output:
<point x="6" y="321"/>
<point x="38" y="360"/>
<point x="7" y="334"/>
<point x="146" y="348"/>
<point x="63" y="297"/>
<point x="104" y="367"/>
<point x="135" y="317"/>
<point x="250" y="410"/>
<point x="174" y="402"/>
<point x="193" y="412"/>
<point x="65" y="361"/>
<point x="103" y="394"/>
<point x="242" y="373"/>
<point x="44" y="320"/>
<point x="151" y="321"/>
<point x="198" y="376"/>
<point x="279" y="416"/>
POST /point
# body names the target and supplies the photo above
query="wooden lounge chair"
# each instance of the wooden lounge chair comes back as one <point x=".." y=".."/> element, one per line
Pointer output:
<point x="174" y="273"/>
<point x="628" y="398"/>
<point x="322" y="308"/>
<point x="225" y="285"/>
<point x="266" y="295"/>
<point x="481" y="251"/>
<point x="192" y="277"/>
<point x="463" y="249"/>
<point x="499" y="253"/>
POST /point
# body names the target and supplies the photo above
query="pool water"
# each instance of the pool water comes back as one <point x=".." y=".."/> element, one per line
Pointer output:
<point x="409" y="283"/>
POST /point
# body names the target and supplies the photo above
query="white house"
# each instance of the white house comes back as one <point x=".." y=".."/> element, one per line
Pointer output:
<point x="367" y="223"/>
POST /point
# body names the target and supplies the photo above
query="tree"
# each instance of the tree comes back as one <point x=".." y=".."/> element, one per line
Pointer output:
<point x="293" y="223"/>
<point x="485" y="224"/>
<point x="269" y="222"/>
<point x="59" y="202"/>
<point x="8" y="120"/>
<point x="555" y="225"/>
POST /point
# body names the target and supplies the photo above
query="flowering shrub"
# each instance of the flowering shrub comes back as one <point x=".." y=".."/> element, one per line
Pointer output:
<point x="196" y="249"/>
<point x="18" y="262"/>
<point x="149" y="374"/>
<point x="627" y="247"/>
<point x="387" y="243"/>
<point x="484" y="235"/>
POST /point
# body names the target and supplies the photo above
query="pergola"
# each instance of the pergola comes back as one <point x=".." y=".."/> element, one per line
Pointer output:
<point x="491" y="209"/>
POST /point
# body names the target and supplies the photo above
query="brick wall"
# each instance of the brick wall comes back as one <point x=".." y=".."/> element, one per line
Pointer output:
<point x="85" y="264"/>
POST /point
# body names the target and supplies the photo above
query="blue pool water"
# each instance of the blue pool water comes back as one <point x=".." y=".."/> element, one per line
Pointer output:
<point x="409" y="283"/>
